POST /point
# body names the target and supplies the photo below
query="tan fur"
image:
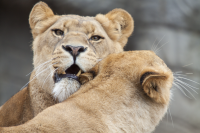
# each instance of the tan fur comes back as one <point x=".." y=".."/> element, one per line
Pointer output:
<point x="48" y="50"/>
<point x="119" y="99"/>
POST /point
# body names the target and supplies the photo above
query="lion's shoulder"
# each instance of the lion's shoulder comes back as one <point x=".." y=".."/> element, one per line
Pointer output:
<point x="15" y="107"/>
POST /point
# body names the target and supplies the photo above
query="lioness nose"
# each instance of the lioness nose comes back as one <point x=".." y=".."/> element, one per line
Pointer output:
<point x="74" y="50"/>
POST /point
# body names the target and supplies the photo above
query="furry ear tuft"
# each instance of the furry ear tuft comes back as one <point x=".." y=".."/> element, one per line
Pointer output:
<point x="156" y="86"/>
<point x="41" y="18"/>
<point x="40" y="12"/>
<point x="118" y="24"/>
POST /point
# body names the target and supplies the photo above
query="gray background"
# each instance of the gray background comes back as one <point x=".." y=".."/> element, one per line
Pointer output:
<point x="176" y="22"/>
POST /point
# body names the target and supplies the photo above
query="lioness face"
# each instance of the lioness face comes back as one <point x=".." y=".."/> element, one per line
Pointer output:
<point x="69" y="45"/>
<point x="75" y="44"/>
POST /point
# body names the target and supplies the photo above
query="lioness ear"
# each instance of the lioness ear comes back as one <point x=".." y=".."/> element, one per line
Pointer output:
<point x="118" y="24"/>
<point x="40" y="12"/>
<point x="41" y="18"/>
<point x="156" y="86"/>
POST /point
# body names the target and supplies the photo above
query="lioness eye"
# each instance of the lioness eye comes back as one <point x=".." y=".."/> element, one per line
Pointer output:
<point x="95" y="38"/>
<point x="58" y="32"/>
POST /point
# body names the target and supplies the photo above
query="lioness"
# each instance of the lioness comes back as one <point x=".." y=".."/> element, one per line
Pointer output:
<point x="64" y="47"/>
<point x="130" y="93"/>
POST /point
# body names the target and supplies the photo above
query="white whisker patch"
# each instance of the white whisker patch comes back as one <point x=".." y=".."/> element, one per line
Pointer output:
<point x="184" y="87"/>
<point x="65" y="88"/>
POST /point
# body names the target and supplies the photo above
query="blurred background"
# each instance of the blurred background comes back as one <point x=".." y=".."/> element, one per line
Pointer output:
<point x="172" y="26"/>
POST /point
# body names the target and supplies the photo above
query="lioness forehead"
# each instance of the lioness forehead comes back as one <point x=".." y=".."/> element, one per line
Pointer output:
<point x="78" y="23"/>
<point x="132" y="59"/>
<point x="77" y="17"/>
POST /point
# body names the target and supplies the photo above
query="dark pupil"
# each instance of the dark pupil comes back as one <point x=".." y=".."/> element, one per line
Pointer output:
<point x="59" y="32"/>
<point x="95" y="38"/>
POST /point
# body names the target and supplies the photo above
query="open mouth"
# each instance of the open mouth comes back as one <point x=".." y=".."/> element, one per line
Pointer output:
<point x="72" y="72"/>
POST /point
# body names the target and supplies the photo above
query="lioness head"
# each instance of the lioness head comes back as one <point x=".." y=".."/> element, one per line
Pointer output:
<point x="143" y="69"/>
<point x="66" y="46"/>
<point x="137" y="85"/>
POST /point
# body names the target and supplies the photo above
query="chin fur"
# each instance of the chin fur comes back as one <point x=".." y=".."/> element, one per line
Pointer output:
<point x="65" y="88"/>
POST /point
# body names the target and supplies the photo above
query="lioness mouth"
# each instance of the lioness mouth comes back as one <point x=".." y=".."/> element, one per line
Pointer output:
<point x="72" y="72"/>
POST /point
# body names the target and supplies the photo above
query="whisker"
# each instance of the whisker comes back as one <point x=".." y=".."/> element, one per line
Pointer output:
<point x="167" y="115"/>
<point x="181" y="90"/>
<point x="48" y="76"/>
<point x="187" y="65"/>
<point x="46" y="79"/>
<point x="152" y="47"/>
<point x="188" y="73"/>
<point x="171" y="117"/>
<point x="160" y="47"/>
<point x="185" y="89"/>
<point x="29" y="73"/>
<point x="188" y="85"/>
<point x="158" y="43"/>
<point x="34" y="77"/>
<point x="39" y="66"/>
<point x="176" y="75"/>
<point x="189" y="80"/>
<point x="178" y="72"/>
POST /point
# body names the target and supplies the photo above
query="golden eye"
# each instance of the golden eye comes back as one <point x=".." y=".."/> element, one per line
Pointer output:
<point x="58" y="32"/>
<point x="96" y="38"/>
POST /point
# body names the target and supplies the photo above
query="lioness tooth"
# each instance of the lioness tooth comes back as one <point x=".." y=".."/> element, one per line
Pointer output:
<point x="64" y="72"/>
<point x="79" y="73"/>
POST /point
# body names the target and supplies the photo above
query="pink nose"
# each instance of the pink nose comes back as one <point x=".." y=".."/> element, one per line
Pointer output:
<point x="74" y="50"/>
